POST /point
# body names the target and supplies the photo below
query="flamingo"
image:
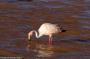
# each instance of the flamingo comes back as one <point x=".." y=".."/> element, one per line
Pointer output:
<point x="46" y="29"/>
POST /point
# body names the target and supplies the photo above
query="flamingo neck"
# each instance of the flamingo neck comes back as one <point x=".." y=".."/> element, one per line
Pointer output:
<point x="36" y="34"/>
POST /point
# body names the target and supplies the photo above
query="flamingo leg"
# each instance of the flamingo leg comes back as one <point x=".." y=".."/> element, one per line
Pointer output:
<point x="50" y="40"/>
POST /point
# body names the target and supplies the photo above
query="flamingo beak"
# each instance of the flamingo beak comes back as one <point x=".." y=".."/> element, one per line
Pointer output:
<point x="29" y="36"/>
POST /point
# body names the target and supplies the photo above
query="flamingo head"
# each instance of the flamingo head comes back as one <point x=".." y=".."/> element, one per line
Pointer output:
<point x="30" y="35"/>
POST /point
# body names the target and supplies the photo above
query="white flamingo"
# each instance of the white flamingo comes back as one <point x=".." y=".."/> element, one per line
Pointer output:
<point x="46" y="29"/>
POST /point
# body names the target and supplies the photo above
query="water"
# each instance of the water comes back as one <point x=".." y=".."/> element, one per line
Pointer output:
<point x="17" y="18"/>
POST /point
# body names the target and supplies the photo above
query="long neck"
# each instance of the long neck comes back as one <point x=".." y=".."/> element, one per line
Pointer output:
<point x="37" y="34"/>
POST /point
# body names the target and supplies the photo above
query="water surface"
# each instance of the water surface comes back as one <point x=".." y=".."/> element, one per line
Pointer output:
<point x="17" y="18"/>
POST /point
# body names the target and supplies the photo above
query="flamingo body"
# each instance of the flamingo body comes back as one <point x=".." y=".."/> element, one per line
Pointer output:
<point x="48" y="29"/>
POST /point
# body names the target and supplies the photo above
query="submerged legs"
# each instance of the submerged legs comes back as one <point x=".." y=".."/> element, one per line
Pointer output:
<point x="50" y="39"/>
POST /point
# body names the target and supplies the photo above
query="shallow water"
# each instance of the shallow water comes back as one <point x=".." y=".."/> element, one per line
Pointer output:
<point x="17" y="18"/>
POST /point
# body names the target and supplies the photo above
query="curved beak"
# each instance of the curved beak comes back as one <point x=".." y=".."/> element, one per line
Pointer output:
<point x="29" y="36"/>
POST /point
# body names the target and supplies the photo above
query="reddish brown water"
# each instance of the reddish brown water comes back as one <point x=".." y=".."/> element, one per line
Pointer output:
<point x="17" y="18"/>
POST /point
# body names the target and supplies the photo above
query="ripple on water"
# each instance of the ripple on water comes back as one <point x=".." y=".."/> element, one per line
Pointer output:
<point x="17" y="50"/>
<point x="86" y="27"/>
<point x="65" y="1"/>
<point x="84" y="24"/>
<point x="87" y="12"/>
<point x="81" y="41"/>
<point x="84" y="13"/>
<point x="73" y="55"/>
<point x="9" y="1"/>
<point x="78" y="16"/>
<point x="84" y="21"/>
<point x="54" y="6"/>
